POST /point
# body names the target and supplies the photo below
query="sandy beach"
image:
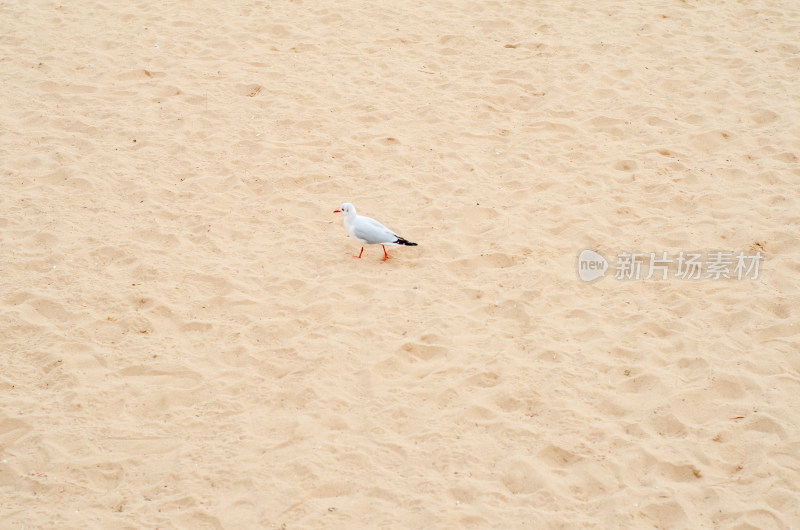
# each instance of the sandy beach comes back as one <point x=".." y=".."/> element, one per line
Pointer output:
<point x="187" y="341"/>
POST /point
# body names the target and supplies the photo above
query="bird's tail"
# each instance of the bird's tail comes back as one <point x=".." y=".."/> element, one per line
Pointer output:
<point x="401" y="241"/>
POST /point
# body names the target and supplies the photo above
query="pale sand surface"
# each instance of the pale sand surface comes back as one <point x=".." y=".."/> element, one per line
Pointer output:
<point x="187" y="342"/>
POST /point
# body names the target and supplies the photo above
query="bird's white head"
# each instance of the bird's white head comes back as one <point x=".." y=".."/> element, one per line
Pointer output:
<point x="347" y="209"/>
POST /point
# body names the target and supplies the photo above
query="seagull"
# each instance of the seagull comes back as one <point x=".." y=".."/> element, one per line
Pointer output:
<point x="369" y="231"/>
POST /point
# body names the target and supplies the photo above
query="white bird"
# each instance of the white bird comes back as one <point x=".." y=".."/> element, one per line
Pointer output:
<point x="369" y="231"/>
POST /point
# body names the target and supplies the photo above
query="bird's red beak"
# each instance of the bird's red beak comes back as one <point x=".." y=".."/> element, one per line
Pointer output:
<point x="337" y="211"/>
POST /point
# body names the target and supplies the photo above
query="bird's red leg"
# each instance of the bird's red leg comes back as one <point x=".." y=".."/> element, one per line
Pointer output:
<point x="359" y="254"/>
<point x="385" y="255"/>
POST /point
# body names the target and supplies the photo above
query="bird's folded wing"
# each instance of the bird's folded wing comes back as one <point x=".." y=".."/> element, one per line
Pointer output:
<point x="372" y="231"/>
